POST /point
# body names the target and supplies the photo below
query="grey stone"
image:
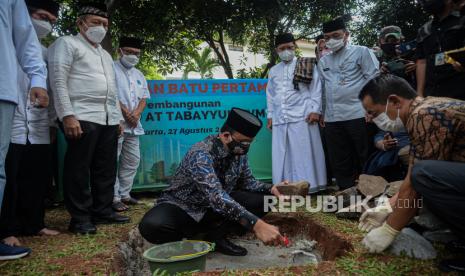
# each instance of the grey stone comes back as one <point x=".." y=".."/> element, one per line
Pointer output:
<point x="346" y="195"/>
<point x="295" y="188"/>
<point x="412" y="244"/>
<point x="131" y="254"/>
<point x="393" y="188"/>
<point x="428" y="220"/>
<point x="370" y="185"/>
<point x="442" y="236"/>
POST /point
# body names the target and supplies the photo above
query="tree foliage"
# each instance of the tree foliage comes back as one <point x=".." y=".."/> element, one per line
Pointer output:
<point x="376" y="14"/>
<point x="174" y="29"/>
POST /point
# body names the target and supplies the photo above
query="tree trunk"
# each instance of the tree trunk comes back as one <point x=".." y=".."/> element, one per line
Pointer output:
<point x="228" y="69"/>
<point x="224" y="59"/>
<point x="107" y="41"/>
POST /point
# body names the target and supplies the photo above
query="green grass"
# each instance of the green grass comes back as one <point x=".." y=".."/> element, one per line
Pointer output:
<point x="68" y="254"/>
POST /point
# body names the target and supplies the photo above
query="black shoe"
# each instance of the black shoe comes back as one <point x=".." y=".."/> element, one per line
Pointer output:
<point x="456" y="246"/>
<point x="82" y="228"/>
<point x="452" y="265"/>
<point x="112" y="219"/>
<point x="228" y="248"/>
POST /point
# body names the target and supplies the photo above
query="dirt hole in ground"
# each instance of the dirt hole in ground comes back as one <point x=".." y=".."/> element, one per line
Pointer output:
<point x="299" y="227"/>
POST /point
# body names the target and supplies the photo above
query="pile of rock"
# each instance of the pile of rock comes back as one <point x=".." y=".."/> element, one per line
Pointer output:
<point x="368" y="186"/>
<point x="415" y="240"/>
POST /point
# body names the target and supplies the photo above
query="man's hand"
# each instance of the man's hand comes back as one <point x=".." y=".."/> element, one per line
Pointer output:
<point x="313" y="118"/>
<point x="275" y="190"/>
<point x="410" y="67"/>
<point x="384" y="69"/>
<point x="39" y="97"/>
<point x="458" y="67"/>
<point x="322" y="121"/>
<point x="375" y="217"/>
<point x="267" y="233"/>
<point x="134" y="119"/>
<point x="120" y="129"/>
<point x="389" y="142"/>
<point x="72" y="127"/>
<point x="269" y="124"/>
<point x="380" y="238"/>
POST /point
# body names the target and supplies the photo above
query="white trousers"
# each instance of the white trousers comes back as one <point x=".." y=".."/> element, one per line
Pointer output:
<point x="128" y="162"/>
<point x="298" y="155"/>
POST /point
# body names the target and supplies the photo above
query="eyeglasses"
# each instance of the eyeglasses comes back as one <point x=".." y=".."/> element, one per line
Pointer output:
<point x="243" y="143"/>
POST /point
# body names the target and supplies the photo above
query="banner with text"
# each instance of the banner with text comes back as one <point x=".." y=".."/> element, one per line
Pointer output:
<point x="181" y="113"/>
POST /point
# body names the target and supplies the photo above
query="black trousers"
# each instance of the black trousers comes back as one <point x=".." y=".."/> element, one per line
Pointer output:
<point x="90" y="172"/>
<point x="442" y="185"/>
<point x="347" y="143"/>
<point x="28" y="172"/>
<point x="167" y="222"/>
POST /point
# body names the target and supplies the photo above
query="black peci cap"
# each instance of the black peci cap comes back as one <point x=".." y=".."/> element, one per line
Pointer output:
<point x="243" y="122"/>
<point x="48" y="5"/>
<point x="334" y="25"/>
<point x="93" y="8"/>
<point x="132" y="42"/>
<point x="283" y="38"/>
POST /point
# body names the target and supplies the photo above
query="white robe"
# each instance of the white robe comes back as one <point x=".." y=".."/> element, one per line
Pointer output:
<point x="297" y="150"/>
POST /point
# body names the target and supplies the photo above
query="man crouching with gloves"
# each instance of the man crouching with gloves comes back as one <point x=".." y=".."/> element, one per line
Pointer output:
<point x="214" y="192"/>
<point x="436" y="127"/>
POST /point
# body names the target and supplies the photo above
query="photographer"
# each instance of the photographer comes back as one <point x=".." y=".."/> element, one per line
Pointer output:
<point x="396" y="56"/>
<point x="446" y="31"/>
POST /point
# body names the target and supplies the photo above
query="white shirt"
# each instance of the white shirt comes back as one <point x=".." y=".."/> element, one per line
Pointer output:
<point x="18" y="44"/>
<point x="344" y="73"/>
<point x="132" y="88"/>
<point x="83" y="81"/>
<point x="31" y="123"/>
<point x="284" y="103"/>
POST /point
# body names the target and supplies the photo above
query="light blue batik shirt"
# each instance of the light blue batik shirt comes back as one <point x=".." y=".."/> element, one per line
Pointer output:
<point x="344" y="73"/>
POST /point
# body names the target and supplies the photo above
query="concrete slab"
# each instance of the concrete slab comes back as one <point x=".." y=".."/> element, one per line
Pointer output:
<point x="261" y="256"/>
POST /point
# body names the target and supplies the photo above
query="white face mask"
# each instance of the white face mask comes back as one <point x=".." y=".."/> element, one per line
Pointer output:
<point x="96" y="34"/>
<point x="286" y="55"/>
<point x="335" y="44"/>
<point x="129" y="61"/>
<point x="385" y="123"/>
<point x="42" y="27"/>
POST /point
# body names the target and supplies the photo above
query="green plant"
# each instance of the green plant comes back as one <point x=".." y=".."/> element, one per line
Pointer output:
<point x="201" y="63"/>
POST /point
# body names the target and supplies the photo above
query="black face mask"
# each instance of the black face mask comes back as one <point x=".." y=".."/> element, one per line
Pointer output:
<point x="389" y="49"/>
<point x="238" y="148"/>
<point x="433" y="6"/>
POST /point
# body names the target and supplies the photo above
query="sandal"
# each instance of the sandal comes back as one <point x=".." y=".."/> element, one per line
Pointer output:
<point x="119" y="206"/>
<point x="130" y="201"/>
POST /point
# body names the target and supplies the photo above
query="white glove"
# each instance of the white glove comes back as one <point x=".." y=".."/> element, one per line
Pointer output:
<point x="380" y="238"/>
<point x="375" y="217"/>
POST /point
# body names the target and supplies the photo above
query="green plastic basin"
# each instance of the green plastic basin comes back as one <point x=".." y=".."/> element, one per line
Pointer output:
<point x="180" y="256"/>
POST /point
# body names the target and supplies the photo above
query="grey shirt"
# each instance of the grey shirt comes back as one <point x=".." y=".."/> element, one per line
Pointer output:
<point x="344" y="73"/>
